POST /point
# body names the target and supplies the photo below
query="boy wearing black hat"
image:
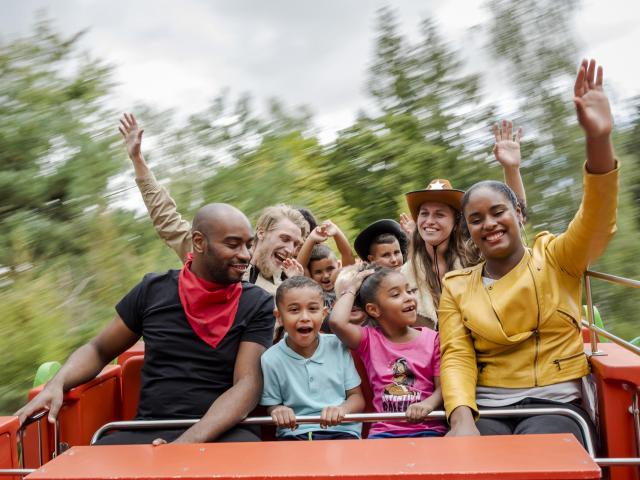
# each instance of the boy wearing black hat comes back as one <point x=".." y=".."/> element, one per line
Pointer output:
<point x="383" y="243"/>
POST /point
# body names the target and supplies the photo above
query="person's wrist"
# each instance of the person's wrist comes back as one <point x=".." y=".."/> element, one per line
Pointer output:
<point x="601" y="139"/>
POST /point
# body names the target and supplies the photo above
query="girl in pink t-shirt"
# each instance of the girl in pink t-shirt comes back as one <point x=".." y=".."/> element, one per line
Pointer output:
<point x="402" y="362"/>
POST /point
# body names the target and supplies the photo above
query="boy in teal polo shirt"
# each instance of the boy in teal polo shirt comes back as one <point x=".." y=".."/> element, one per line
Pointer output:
<point x="307" y="373"/>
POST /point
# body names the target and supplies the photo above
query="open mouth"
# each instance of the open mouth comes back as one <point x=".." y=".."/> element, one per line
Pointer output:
<point x="241" y="267"/>
<point x="409" y="308"/>
<point x="280" y="257"/>
<point x="304" y="330"/>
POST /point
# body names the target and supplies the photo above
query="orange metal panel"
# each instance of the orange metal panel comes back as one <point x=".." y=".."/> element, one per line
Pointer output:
<point x="86" y="408"/>
<point x="8" y="446"/>
<point x="504" y="458"/>
<point x="137" y="349"/>
<point x="613" y="371"/>
<point x="130" y="380"/>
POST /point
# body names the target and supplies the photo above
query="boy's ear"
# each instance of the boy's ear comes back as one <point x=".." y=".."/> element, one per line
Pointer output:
<point x="325" y="312"/>
<point x="339" y="264"/>
<point x="372" y="310"/>
<point x="276" y="313"/>
<point x="370" y="258"/>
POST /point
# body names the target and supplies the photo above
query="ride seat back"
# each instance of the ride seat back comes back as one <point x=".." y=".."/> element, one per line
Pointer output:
<point x="367" y="393"/>
<point x="8" y="444"/>
<point x="85" y="409"/>
<point x="130" y="381"/>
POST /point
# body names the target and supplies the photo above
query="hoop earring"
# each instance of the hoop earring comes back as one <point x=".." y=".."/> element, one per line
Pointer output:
<point x="523" y="232"/>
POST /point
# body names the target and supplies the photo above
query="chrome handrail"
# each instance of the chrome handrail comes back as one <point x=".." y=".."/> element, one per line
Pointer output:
<point x="37" y="417"/>
<point x="614" y="339"/>
<point x="16" y="472"/>
<point x="360" y="417"/>
<point x="607" y="277"/>
<point x="593" y="329"/>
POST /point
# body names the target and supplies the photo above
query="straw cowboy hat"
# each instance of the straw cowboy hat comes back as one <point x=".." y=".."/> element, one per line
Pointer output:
<point x="439" y="190"/>
<point x="362" y="243"/>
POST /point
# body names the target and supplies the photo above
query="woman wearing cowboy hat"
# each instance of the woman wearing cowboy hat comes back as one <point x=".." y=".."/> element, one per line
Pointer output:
<point x="437" y="243"/>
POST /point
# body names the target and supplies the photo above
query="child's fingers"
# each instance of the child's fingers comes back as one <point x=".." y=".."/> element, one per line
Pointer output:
<point x="509" y="129"/>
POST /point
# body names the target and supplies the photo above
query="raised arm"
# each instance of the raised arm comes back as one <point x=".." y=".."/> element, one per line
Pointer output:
<point x="507" y="153"/>
<point x="234" y="404"/>
<point x="316" y="236"/>
<point x="342" y="243"/>
<point x="171" y="227"/>
<point x="83" y="365"/>
<point x="594" y="224"/>
<point x="348" y="333"/>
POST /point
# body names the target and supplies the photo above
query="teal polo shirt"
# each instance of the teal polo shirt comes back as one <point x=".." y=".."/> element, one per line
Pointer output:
<point x="307" y="385"/>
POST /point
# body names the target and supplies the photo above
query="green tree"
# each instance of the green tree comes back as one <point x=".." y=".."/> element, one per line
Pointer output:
<point x="420" y="129"/>
<point x="55" y="158"/>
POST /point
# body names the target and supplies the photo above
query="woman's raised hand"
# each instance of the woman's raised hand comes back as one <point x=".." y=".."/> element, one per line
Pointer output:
<point x="592" y="104"/>
<point x="507" y="146"/>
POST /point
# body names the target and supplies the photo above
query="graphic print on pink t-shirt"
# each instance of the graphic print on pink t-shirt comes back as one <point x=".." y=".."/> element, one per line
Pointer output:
<point x="400" y="375"/>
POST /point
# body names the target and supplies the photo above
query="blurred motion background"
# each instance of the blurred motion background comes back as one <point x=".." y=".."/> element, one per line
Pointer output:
<point x="340" y="107"/>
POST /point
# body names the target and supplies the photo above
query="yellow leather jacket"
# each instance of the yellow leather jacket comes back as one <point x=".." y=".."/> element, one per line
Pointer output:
<point x="524" y="329"/>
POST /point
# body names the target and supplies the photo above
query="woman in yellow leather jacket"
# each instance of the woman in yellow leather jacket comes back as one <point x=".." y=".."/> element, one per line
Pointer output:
<point x="509" y="327"/>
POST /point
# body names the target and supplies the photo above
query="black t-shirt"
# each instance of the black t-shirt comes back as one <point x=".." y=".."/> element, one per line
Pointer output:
<point x="182" y="374"/>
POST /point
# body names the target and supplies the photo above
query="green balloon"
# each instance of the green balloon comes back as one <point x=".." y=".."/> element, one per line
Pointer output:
<point x="45" y="372"/>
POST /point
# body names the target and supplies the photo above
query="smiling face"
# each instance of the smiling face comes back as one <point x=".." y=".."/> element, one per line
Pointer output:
<point x="395" y="301"/>
<point x="435" y="222"/>
<point x="323" y="270"/>
<point x="493" y="224"/>
<point x="386" y="254"/>
<point x="301" y="311"/>
<point x="221" y="248"/>
<point x="275" y="245"/>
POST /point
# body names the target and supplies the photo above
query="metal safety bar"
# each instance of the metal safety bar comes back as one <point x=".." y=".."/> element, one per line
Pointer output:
<point x="37" y="417"/>
<point x="360" y="417"/>
<point x="16" y="472"/>
<point x="594" y="331"/>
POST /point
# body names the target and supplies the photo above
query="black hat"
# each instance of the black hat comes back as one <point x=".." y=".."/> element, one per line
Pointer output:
<point x="362" y="243"/>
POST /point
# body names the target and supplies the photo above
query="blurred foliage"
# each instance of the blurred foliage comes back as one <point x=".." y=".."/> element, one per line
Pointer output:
<point x="68" y="253"/>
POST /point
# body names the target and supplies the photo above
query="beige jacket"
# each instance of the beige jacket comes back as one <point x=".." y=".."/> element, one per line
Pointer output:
<point x="176" y="231"/>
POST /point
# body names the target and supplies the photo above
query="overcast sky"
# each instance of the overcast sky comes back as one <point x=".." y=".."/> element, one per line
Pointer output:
<point x="181" y="53"/>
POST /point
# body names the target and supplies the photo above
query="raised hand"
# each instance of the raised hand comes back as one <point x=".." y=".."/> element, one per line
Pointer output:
<point x="292" y="268"/>
<point x="132" y="135"/>
<point x="592" y="104"/>
<point x="359" y="278"/>
<point x="507" y="146"/>
<point x="330" y="228"/>
<point x="319" y="234"/>
<point x="407" y="224"/>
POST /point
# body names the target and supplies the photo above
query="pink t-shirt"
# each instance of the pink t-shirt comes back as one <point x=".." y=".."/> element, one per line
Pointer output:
<point x="401" y="374"/>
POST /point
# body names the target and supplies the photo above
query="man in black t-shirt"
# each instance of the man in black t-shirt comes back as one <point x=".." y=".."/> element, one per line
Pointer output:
<point x="204" y="333"/>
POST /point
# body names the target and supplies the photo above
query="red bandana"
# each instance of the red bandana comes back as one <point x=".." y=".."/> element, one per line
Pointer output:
<point x="210" y="307"/>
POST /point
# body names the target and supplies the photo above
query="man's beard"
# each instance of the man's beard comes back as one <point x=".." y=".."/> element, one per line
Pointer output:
<point x="262" y="259"/>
